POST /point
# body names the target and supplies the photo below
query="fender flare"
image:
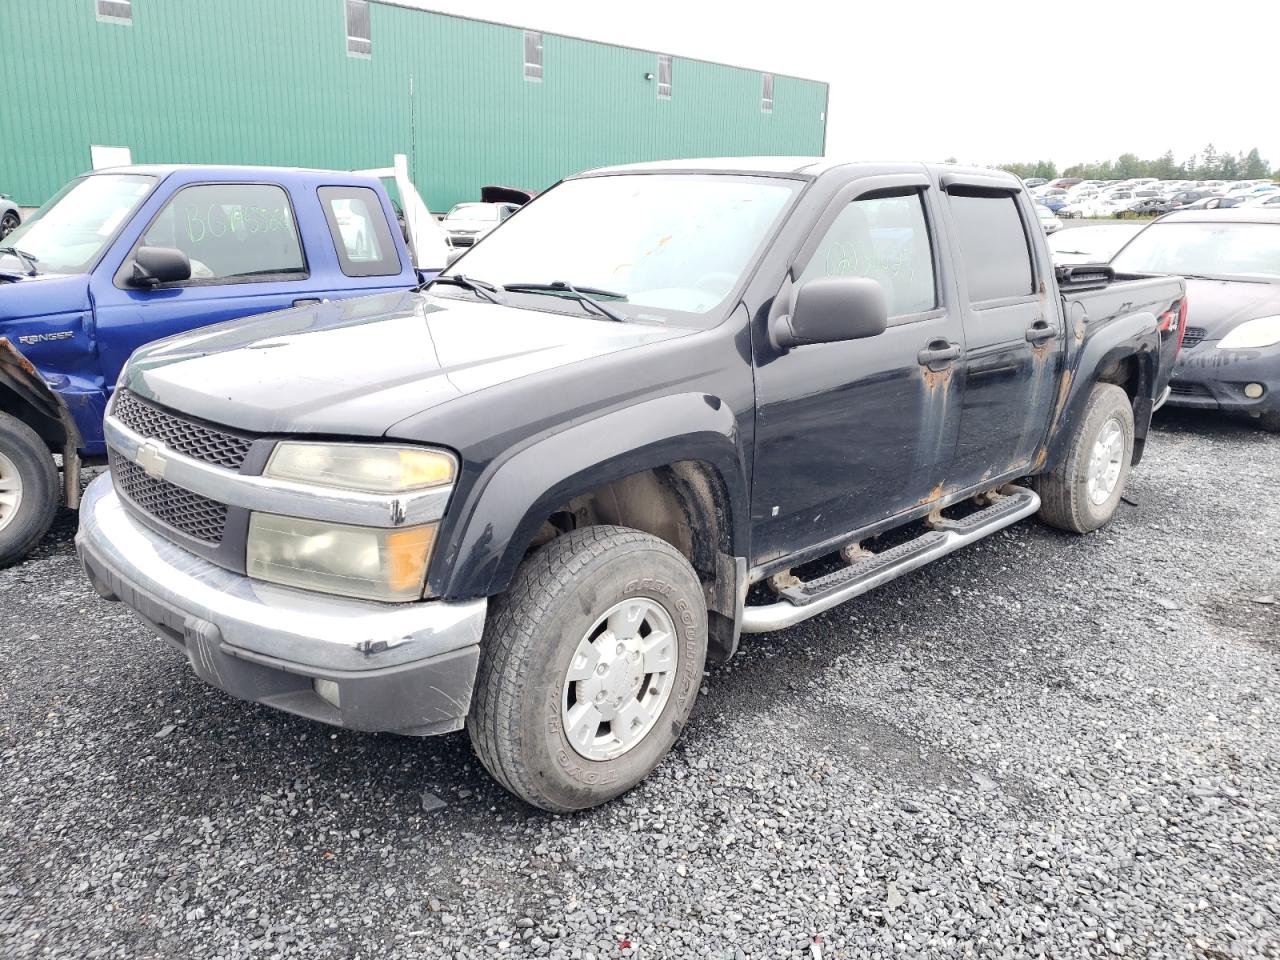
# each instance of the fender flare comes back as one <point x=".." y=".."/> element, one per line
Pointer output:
<point x="505" y="507"/>
<point x="1136" y="336"/>
<point x="20" y="376"/>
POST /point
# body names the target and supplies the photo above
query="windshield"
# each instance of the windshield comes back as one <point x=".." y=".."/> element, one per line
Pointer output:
<point x="674" y="245"/>
<point x="473" y="211"/>
<point x="1205" y="249"/>
<point x="67" y="233"/>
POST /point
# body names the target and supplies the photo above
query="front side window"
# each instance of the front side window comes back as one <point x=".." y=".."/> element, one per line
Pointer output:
<point x="231" y="232"/>
<point x="532" y="55"/>
<point x="654" y="247"/>
<point x="885" y="238"/>
<point x="360" y="232"/>
<point x="993" y="244"/>
<point x="359" y="36"/>
<point x="69" y="232"/>
<point x="1204" y="250"/>
<point x="664" y="77"/>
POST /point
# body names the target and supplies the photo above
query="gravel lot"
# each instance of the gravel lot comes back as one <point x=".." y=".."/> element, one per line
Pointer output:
<point x="1040" y="745"/>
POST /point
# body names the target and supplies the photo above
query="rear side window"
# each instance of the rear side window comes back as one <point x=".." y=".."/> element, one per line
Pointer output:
<point x="993" y="244"/>
<point x="361" y="236"/>
<point x="885" y="238"/>
<point x="232" y="232"/>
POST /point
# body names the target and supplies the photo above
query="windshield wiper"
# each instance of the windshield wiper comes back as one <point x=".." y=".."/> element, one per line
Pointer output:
<point x="27" y="259"/>
<point x="581" y="294"/>
<point x="480" y="288"/>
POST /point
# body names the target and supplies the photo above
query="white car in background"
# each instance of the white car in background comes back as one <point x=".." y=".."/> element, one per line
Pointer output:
<point x="1048" y="219"/>
<point x="1092" y="244"/>
<point x="467" y="223"/>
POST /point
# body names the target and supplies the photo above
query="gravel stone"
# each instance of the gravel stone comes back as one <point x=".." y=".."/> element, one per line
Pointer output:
<point x="1042" y="745"/>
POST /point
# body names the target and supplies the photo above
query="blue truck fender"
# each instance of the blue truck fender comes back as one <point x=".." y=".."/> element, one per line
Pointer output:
<point x="20" y="378"/>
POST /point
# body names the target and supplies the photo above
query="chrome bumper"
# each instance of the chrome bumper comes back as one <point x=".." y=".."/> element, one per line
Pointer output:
<point x="403" y="667"/>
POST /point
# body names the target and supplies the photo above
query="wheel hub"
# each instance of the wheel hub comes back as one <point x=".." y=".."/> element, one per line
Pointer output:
<point x="619" y="679"/>
<point x="10" y="491"/>
<point x="1106" y="460"/>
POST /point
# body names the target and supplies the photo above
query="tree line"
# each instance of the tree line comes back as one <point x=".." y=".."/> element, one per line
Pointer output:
<point x="1208" y="164"/>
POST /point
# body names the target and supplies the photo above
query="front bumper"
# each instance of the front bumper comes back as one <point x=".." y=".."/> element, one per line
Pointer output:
<point x="1207" y="378"/>
<point x="407" y="668"/>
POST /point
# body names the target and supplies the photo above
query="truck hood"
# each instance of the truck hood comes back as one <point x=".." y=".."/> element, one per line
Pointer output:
<point x="1218" y="306"/>
<point x="43" y="295"/>
<point x="356" y="367"/>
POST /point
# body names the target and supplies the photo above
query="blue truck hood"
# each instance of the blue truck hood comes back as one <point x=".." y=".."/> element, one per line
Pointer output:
<point x="357" y="367"/>
<point x="46" y="294"/>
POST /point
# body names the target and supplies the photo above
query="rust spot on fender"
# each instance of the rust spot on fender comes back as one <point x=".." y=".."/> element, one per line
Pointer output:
<point x="7" y="349"/>
<point x="1041" y="456"/>
<point x="1063" y="389"/>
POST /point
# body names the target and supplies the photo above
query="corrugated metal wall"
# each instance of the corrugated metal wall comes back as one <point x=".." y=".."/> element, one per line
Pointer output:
<point x="270" y="81"/>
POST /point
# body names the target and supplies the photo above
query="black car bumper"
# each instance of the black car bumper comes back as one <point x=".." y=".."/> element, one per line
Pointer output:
<point x="1209" y="378"/>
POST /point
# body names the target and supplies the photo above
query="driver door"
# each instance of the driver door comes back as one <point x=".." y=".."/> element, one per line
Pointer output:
<point x="850" y="434"/>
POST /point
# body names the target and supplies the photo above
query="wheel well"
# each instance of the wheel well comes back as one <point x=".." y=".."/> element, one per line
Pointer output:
<point x="687" y="505"/>
<point x="1125" y="374"/>
<point x="49" y="430"/>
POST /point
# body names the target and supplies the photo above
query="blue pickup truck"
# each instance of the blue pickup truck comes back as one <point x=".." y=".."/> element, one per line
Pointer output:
<point x="124" y="256"/>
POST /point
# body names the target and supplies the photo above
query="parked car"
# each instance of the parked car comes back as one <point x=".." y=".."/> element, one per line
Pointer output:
<point x="533" y="499"/>
<point x="1269" y="199"/>
<point x="122" y="257"/>
<point x="1091" y="244"/>
<point x="1053" y="203"/>
<point x="1035" y="182"/>
<point x="1144" y="207"/>
<point x="1214" y="202"/>
<point x="10" y="216"/>
<point x="1231" y="259"/>
<point x="1048" y="222"/>
<point x="467" y="223"/>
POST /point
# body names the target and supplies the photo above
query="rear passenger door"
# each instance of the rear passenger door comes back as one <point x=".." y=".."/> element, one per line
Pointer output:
<point x="849" y="434"/>
<point x="1013" y="336"/>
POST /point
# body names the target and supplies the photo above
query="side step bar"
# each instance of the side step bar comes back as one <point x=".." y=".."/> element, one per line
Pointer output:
<point x="808" y="599"/>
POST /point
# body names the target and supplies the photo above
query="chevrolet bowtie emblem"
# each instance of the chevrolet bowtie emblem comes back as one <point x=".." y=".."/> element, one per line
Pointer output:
<point x="151" y="460"/>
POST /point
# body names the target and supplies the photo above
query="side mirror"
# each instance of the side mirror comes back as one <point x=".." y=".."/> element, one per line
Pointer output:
<point x="156" y="265"/>
<point x="833" y="309"/>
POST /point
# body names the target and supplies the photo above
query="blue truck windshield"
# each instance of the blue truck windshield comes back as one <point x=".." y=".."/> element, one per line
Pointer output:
<point x="68" y="233"/>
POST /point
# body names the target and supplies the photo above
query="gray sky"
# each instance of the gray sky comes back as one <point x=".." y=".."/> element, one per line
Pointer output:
<point x="986" y="82"/>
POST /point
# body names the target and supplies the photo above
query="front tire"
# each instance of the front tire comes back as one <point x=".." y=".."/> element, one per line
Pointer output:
<point x="28" y="489"/>
<point x="589" y="667"/>
<point x="1270" y="422"/>
<point x="1081" y="494"/>
<point x="8" y="223"/>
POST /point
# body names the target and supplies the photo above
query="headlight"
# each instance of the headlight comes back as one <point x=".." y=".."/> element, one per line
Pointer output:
<point x="1252" y="334"/>
<point x="366" y="562"/>
<point x="373" y="468"/>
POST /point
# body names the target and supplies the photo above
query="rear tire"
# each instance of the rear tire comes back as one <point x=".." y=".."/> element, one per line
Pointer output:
<point x="540" y="668"/>
<point x="28" y="489"/>
<point x="1081" y="494"/>
<point x="8" y="223"/>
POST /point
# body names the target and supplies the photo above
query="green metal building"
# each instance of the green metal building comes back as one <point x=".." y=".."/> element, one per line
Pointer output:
<point x="346" y="84"/>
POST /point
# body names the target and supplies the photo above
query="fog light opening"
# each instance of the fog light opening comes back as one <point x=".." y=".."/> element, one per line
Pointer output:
<point x="1254" y="390"/>
<point x="327" y="690"/>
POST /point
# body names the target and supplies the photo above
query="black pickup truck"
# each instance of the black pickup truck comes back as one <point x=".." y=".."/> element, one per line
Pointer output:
<point x="659" y="407"/>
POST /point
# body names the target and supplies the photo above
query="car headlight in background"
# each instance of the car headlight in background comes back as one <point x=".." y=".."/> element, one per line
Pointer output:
<point x="1252" y="334"/>
<point x="371" y="468"/>
<point x="367" y="562"/>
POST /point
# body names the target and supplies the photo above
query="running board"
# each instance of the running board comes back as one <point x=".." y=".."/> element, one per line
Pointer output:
<point x="808" y="599"/>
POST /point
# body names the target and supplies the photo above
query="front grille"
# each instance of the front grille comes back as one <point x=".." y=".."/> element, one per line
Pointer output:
<point x="197" y="440"/>
<point x="1193" y="336"/>
<point x="1180" y="388"/>
<point x="462" y="241"/>
<point x="184" y="511"/>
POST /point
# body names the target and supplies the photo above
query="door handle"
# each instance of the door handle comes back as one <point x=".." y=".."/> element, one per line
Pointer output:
<point x="307" y="302"/>
<point x="939" y="352"/>
<point x="1041" y="330"/>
